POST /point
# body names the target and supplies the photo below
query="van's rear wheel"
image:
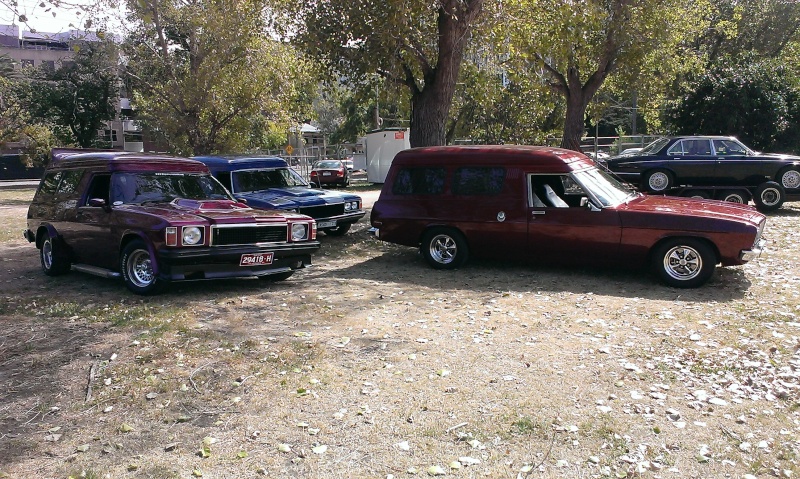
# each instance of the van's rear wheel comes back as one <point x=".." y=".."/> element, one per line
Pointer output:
<point x="54" y="262"/>
<point x="444" y="248"/>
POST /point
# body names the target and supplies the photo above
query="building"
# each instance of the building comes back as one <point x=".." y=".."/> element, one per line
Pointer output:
<point x="53" y="51"/>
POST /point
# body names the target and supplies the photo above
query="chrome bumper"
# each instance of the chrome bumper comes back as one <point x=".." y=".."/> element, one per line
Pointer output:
<point x="755" y="252"/>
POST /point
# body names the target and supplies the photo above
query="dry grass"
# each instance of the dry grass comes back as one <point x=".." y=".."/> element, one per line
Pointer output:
<point x="395" y="367"/>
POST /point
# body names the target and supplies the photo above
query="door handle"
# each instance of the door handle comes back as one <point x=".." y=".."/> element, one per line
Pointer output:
<point x="537" y="212"/>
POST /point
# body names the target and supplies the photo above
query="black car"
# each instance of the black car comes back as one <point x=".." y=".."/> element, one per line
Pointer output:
<point x="718" y="167"/>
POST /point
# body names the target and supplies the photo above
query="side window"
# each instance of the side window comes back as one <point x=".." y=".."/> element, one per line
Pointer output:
<point x="99" y="188"/>
<point x="697" y="147"/>
<point x="69" y="182"/>
<point x="419" y="181"/>
<point x="676" y="149"/>
<point x="554" y="191"/>
<point x="224" y="177"/>
<point x="478" y="180"/>
<point x="727" y="147"/>
<point x="49" y="183"/>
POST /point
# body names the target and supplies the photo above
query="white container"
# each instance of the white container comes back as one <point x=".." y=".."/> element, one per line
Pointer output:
<point x="380" y="147"/>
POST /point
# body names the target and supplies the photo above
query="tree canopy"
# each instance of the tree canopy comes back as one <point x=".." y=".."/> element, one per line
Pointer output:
<point x="204" y="70"/>
<point x="418" y="44"/>
<point x="574" y="48"/>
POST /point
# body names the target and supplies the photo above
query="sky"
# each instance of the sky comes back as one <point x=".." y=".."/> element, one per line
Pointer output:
<point x="41" y="18"/>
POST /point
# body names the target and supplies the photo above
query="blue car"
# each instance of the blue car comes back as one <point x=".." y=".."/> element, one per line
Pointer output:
<point x="268" y="182"/>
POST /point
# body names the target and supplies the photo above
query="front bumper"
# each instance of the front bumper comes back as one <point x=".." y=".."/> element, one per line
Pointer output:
<point x="223" y="261"/>
<point x="753" y="253"/>
<point x="334" y="221"/>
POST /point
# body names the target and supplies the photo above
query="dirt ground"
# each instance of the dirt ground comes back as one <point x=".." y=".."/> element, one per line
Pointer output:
<point x="373" y="365"/>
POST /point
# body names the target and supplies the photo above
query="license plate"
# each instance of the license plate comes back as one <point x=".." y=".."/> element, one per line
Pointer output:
<point x="326" y="173"/>
<point x="326" y="224"/>
<point x="256" y="259"/>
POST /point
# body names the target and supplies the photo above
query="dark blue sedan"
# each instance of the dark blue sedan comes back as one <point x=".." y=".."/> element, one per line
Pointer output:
<point x="718" y="167"/>
<point x="269" y="182"/>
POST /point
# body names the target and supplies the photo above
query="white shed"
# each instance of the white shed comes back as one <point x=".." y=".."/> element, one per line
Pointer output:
<point x="381" y="146"/>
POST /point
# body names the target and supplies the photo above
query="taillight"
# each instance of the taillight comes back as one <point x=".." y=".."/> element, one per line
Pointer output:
<point x="340" y="173"/>
<point x="313" y="173"/>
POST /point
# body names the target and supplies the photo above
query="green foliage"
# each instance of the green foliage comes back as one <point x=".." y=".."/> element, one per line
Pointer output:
<point x="753" y="100"/>
<point x="493" y="109"/>
<point x="81" y="95"/>
<point x="418" y="45"/>
<point x="204" y="72"/>
<point x="573" y="48"/>
<point x="34" y="136"/>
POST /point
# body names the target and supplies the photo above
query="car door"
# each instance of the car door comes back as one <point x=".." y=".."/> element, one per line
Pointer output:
<point x="489" y="205"/>
<point x="693" y="162"/>
<point x="574" y="232"/>
<point x="735" y="166"/>
<point x="94" y="241"/>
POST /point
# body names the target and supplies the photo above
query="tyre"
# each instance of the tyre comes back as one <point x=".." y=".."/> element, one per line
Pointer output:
<point x="278" y="276"/>
<point x="54" y="261"/>
<point x="657" y="181"/>
<point x="734" y="196"/>
<point x="698" y="194"/>
<point x="340" y="230"/>
<point x="789" y="178"/>
<point x="684" y="262"/>
<point x="769" y="196"/>
<point x="444" y="248"/>
<point x="137" y="269"/>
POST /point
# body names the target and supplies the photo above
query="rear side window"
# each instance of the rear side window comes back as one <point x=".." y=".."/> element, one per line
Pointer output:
<point x="49" y="183"/>
<point x="419" y="181"/>
<point x="69" y="182"/>
<point x="478" y="180"/>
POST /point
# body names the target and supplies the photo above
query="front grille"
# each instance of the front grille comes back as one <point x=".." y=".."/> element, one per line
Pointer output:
<point x="323" y="211"/>
<point x="242" y="235"/>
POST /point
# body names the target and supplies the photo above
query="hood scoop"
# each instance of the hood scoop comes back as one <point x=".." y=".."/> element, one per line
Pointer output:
<point x="208" y="206"/>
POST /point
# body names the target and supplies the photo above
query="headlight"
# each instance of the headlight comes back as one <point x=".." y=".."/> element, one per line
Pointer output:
<point x="192" y="235"/>
<point x="347" y="206"/>
<point x="355" y="205"/>
<point x="299" y="231"/>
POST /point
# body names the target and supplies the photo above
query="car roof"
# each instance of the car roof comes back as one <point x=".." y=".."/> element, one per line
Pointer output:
<point x="123" y="161"/>
<point x="557" y="159"/>
<point x="240" y="162"/>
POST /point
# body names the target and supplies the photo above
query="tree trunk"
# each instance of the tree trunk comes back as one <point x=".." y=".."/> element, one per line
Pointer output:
<point x="430" y="104"/>
<point x="429" y="109"/>
<point x="574" y="121"/>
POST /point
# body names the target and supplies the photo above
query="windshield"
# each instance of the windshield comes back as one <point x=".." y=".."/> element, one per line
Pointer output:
<point x="654" y="147"/>
<point x="138" y="188"/>
<point x="607" y="190"/>
<point x="258" y="180"/>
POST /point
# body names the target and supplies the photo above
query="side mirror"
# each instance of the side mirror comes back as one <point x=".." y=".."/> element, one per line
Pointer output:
<point x="241" y="200"/>
<point x="585" y="203"/>
<point x="97" y="202"/>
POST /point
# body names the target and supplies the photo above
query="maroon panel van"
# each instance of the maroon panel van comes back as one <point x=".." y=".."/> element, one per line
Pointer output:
<point x="552" y="205"/>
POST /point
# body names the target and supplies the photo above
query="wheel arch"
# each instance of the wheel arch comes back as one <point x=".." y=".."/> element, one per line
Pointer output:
<point x="661" y="241"/>
<point x="131" y="236"/>
<point x="45" y="230"/>
<point x="446" y="226"/>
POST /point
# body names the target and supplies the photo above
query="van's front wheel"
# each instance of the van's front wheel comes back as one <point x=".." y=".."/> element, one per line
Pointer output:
<point x="444" y="248"/>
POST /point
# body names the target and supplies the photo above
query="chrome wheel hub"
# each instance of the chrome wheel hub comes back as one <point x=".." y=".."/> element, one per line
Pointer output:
<point x="140" y="269"/>
<point x="683" y="263"/>
<point x="658" y="181"/>
<point x="791" y="179"/>
<point x="443" y="249"/>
